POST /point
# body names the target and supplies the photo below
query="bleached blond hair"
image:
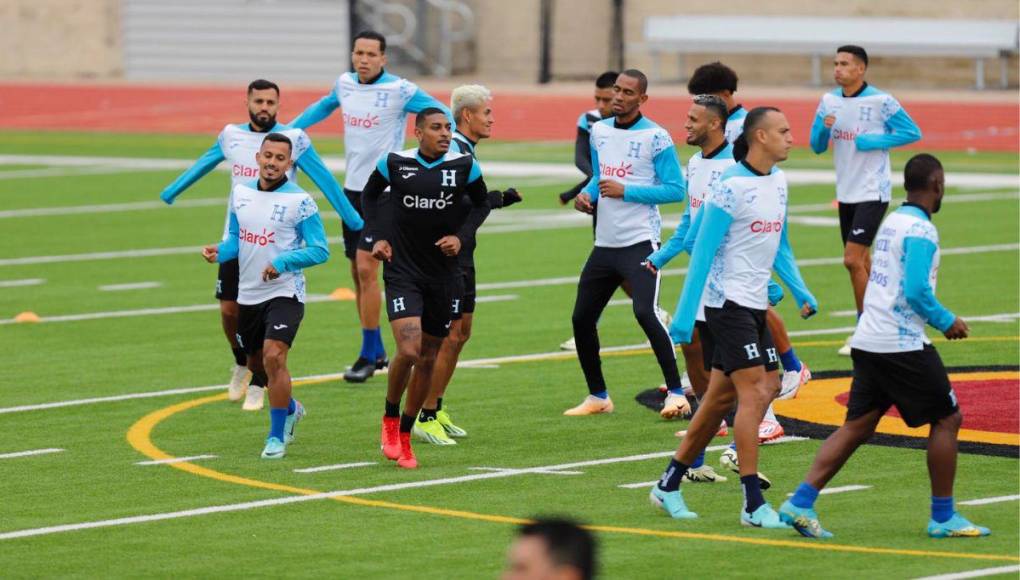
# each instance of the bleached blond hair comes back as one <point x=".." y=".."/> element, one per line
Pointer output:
<point x="468" y="97"/>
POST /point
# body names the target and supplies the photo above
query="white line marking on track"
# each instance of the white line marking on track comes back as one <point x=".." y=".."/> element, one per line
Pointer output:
<point x="988" y="500"/>
<point x="545" y="471"/>
<point x="839" y="489"/>
<point x="29" y="453"/>
<point x="639" y="485"/>
<point x="18" y="283"/>
<point x="131" y="286"/>
<point x="176" y="460"/>
<point x="335" y="467"/>
<point x="107" y="208"/>
<point x="974" y="573"/>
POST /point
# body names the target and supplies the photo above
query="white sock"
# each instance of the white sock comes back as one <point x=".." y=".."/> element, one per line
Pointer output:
<point x="770" y="415"/>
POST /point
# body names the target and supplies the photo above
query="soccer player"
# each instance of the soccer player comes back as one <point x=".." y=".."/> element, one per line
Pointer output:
<point x="718" y="79"/>
<point x="552" y="549"/>
<point x="638" y="169"/>
<point x="863" y="124"/>
<point x="582" y="143"/>
<point x="421" y="228"/>
<point x="473" y="112"/>
<point x="239" y="145"/>
<point x="275" y="231"/>
<point x="895" y="363"/>
<point x="743" y="225"/>
<point x="375" y="105"/>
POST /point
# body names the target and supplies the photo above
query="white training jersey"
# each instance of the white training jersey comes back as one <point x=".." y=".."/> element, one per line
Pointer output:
<point x="627" y="156"/>
<point x="703" y="173"/>
<point x="240" y="145"/>
<point x="860" y="175"/>
<point x="742" y="265"/>
<point x="888" y="323"/>
<point x="735" y="123"/>
<point x="268" y="225"/>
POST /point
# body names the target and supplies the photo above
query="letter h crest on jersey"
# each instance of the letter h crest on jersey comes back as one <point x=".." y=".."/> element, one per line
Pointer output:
<point x="449" y="178"/>
<point x="382" y="99"/>
<point x="278" y="213"/>
<point x="865" y="113"/>
<point x="634" y="149"/>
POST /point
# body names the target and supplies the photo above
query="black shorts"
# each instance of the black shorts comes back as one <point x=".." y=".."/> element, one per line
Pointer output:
<point x="274" y="319"/>
<point x="227" y="280"/>
<point x="916" y="382"/>
<point x="858" y="222"/>
<point x="741" y="338"/>
<point x="356" y="240"/>
<point x="707" y="342"/>
<point x="465" y="293"/>
<point x="430" y="301"/>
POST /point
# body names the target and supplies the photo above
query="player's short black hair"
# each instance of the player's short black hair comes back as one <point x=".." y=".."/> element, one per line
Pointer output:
<point x="262" y="85"/>
<point x="712" y="78"/>
<point x="606" y="80"/>
<point x="419" y="121"/>
<point x="642" y="80"/>
<point x="855" y="50"/>
<point x="371" y="35"/>
<point x="279" y="138"/>
<point x="754" y="118"/>
<point x="568" y="544"/>
<point x="920" y="171"/>
<point x="713" y="104"/>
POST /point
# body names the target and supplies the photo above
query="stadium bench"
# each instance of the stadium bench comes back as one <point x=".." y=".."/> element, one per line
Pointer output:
<point x="818" y="37"/>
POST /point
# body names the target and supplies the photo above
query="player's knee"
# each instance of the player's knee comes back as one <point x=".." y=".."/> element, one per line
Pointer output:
<point x="411" y="352"/>
<point x="644" y="312"/>
<point x="582" y="319"/>
<point x="951" y="422"/>
<point x="460" y="336"/>
<point x="274" y="358"/>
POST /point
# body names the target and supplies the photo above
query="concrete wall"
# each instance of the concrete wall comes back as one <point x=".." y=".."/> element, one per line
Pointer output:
<point x="60" y="38"/>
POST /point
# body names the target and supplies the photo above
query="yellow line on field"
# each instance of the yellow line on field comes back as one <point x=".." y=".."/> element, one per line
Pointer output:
<point x="140" y="437"/>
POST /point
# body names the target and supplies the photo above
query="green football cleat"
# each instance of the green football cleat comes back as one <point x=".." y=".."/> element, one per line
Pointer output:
<point x="804" y="520"/>
<point x="431" y="432"/>
<point x="452" y="430"/>
<point x="292" y="420"/>
<point x="763" y="517"/>
<point x="956" y="527"/>
<point x="275" y="449"/>
<point x="672" y="502"/>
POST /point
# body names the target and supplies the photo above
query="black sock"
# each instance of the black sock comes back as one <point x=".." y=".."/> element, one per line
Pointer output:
<point x="670" y="480"/>
<point x="392" y="409"/>
<point x="406" y="422"/>
<point x="428" y="415"/>
<point x="259" y="379"/>
<point x="439" y="404"/>
<point x="752" y="492"/>
<point x="240" y="358"/>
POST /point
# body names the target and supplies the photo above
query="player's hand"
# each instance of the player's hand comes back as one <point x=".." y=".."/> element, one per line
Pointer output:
<point x="511" y="196"/>
<point x="449" y="245"/>
<point x="210" y="253"/>
<point x="382" y="251"/>
<point x="582" y="203"/>
<point x="648" y="265"/>
<point x="958" y="330"/>
<point x="807" y="311"/>
<point x="270" y="273"/>
<point x="830" y="120"/>
<point x="610" y="188"/>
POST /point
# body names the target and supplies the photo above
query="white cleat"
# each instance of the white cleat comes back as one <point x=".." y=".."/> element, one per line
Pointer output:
<point x="254" y="399"/>
<point x="591" y="405"/>
<point x="239" y="378"/>
<point x="845" y="349"/>
<point x="703" y="474"/>
<point x="730" y="461"/>
<point x="568" y="344"/>
<point x="793" y="381"/>
<point x="676" y="406"/>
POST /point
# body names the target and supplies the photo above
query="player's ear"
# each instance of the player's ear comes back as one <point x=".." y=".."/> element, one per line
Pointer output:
<point x="644" y="98"/>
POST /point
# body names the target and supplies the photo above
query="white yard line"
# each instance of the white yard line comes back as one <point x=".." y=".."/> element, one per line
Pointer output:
<point x="335" y="467"/>
<point x="839" y="489"/>
<point x="109" y="207"/>
<point x="176" y="460"/>
<point x="974" y="573"/>
<point x="988" y="500"/>
<point x="17" y="454"/>
<point x="19" y="283"/>
<point x="131" y="286"/>
<point x="544" y="471"/>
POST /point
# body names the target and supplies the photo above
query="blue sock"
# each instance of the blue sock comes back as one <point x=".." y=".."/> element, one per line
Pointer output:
<point x="941" y="508"/>
<point x="790" y="361"/>
<point x="291" y="407"/>
<point x="670" y="480"/>
<point x="733" y="446"/>
<point x="859" y="315"/>
<point x="277" y="417"/>
<point x="677" y="391"/>
<point x="603" y="394"/>
<point x="368" y="344"/>
<point x="804" y="496"/>
<point x="752" y="493"/>
<point x="699" y="460"/>
<point x="380" y="348"/>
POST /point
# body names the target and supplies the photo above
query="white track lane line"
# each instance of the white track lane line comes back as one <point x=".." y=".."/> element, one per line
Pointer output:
<point x="19" y="283"/>
<point x="176" y="460"/>
<point x="974" y="573"/>
<point x="31" y="453"/>
<point x="988" y="500"/>
<point x="131" y="286"/>
<point x="839" y="489"/>
<point x="335" y="467"/>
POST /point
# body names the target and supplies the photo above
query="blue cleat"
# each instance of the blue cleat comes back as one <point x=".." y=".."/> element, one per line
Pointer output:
<point x="672" y="502"/>
<point x="763" y="517"/>
<point x="275" y="449"/>
<point x="292" y="420"/>
<point x="804" y="520"/>
<point x="956" y="527"/>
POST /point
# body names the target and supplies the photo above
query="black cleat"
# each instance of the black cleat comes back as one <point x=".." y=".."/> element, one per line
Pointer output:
<point x="361" y="371"/>
<point x="381" y="363"/>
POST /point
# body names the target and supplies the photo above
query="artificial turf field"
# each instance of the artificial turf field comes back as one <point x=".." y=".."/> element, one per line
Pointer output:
<point x="446" y="518"/>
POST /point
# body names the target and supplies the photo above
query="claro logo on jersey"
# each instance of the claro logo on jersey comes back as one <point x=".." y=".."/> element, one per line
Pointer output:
<point x="418" y="202"/>
<point x="766" y="227"/>
<point x="257" y="239"/>
<point x="621" y="171"/>
<point x="696" y="202"/>
<point x="239" y="170"/>
<point x="843" y="135"/>
<point x="365" y="122"/>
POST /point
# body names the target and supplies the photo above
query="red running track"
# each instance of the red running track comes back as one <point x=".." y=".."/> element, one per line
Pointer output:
<point x="519" y="117"/>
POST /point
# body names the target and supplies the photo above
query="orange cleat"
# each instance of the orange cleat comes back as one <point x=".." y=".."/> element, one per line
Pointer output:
<point x="391" y="437"/>
<point x="407" y="459"/>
